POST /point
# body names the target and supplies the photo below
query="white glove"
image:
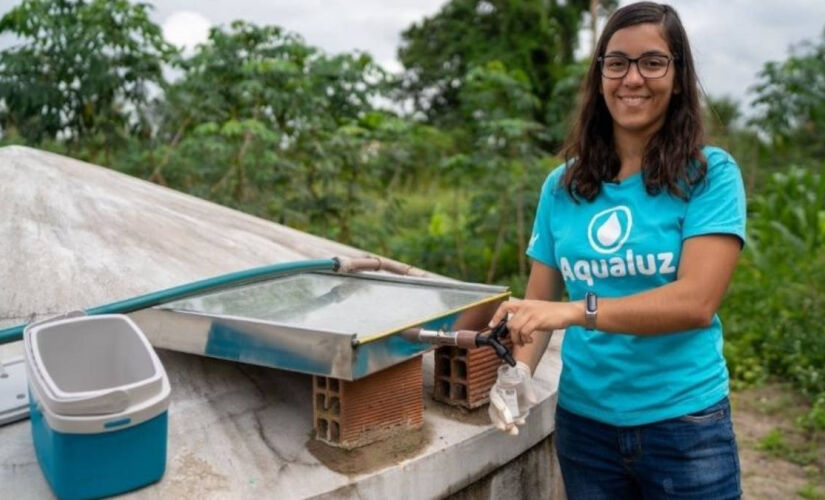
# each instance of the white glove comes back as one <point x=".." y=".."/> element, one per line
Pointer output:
<point x="511" y="397"/>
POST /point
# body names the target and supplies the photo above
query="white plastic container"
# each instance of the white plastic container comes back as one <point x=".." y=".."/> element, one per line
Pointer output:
<point x="508" y="382"/>
<point x="98" y="400"/>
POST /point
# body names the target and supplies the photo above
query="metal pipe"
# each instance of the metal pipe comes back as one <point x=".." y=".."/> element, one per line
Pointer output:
<point x="466" y="339"/>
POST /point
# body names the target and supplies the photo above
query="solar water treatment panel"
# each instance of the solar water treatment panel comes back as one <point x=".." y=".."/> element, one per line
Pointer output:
<point x="336" y="325"/>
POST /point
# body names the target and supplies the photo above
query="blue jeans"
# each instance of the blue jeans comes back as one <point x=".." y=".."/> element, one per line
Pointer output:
<point x="693" y="456"/>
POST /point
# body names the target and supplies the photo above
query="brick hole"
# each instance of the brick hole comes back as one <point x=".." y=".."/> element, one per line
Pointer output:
<point x="322" y="429"/>
<point x="444" y="366"/>
<point x="321" y="401"/>
<point x="335" y="431"/>
<point x="460" y="369"/>
<point x="320" y="382"/>
<point x="335" y="405"/>
<point x="442" y="388"/>
<point x="459" y="392"/>
<point x="333" y="384"/>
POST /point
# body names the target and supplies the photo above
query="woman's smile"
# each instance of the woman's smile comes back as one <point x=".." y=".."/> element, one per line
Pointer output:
<point x="633" y="100"/>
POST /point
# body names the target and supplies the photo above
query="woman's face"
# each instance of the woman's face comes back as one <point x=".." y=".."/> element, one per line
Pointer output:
<point x="638" y="105"/>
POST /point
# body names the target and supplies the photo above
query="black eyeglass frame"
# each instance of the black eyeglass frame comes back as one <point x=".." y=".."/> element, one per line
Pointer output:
<point x="635" y="60"/>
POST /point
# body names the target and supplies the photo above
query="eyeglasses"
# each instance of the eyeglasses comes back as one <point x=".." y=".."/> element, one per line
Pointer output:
<point x="616" y="67"/>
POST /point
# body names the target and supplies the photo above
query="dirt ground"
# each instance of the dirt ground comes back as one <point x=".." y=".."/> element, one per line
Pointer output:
<point x="374" y="456"/>
<point x="778" y="460"/>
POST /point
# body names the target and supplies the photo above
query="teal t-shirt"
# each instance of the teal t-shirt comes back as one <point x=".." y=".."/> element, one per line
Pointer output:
<point x="625" y="242"/>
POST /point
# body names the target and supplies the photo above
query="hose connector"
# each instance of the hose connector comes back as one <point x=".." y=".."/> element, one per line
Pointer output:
<point x="466" y="339"/>
<point x="350" y="265"/>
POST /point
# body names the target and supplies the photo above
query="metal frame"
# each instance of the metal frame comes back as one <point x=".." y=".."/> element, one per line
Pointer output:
<point x="323" y="352"/>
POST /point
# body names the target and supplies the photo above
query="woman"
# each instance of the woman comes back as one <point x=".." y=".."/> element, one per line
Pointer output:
<point x="643" y="226"/>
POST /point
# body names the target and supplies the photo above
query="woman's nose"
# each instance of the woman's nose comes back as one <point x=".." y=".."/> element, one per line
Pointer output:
<point x="634" y="76"/>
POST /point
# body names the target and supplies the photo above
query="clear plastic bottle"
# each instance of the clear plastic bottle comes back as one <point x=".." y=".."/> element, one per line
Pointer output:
<point x="508" y="383"/>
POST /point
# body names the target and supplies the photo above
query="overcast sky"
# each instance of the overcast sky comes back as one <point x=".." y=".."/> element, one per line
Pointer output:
<point x="731" y="39"/>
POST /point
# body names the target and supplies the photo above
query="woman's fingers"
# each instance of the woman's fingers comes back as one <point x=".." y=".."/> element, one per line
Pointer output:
<point x="527" y="330"/>
<point x="518" y="326"/>
<point x="503" y="309"/>
<point x="526" y="317"/>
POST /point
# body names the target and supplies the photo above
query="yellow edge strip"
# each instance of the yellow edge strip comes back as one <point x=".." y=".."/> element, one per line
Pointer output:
<point x="381" y="335"/>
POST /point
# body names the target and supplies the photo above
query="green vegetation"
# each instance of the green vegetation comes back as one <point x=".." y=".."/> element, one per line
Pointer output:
<point x="774" y="313"/>
<point x="83" y="73"/>
<point x="776" y="307"/>
<point x="811" y="492"/>
<point x="259" y="120"/>
<point x="777" y="444"/>
<point x="797" y="448"/>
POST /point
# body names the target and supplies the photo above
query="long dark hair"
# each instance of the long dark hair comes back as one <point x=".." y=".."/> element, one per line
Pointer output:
<point x="673" y="158"/>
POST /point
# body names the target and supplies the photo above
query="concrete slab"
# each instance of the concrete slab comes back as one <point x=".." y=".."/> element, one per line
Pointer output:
<point x="75" y="235"/>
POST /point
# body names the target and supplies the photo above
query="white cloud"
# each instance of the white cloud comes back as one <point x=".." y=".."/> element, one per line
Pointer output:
<point x="335" y="26"/>
<point x="732" y="40"/>
<point x="186" y="29"/>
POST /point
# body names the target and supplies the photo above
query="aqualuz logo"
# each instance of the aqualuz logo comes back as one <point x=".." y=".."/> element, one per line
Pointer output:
<point x="607" y="233"/>
<point x="609" y="229"/>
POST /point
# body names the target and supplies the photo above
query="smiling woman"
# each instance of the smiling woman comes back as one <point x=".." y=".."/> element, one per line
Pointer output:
<point x="642" y="226"/>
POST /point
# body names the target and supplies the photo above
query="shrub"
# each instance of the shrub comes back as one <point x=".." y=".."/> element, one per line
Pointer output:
<point x="775" y="310"/>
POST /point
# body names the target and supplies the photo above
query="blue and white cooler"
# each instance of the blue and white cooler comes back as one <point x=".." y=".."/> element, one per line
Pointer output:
<point x="98" y="397"/>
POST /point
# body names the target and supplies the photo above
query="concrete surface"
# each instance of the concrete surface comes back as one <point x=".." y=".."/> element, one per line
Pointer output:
<point x="75" y="235"/>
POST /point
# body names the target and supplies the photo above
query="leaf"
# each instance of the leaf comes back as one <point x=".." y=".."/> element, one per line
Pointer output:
<point x="206" y="128"/>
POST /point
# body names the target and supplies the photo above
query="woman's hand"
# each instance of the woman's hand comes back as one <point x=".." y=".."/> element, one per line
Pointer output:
<point x="528" y="316"/>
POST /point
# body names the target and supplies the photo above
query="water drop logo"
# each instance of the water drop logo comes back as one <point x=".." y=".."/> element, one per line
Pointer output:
<point x="609" y="229"/>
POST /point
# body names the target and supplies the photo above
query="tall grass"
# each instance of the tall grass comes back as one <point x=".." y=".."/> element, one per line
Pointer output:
<point x="775" y="310"/>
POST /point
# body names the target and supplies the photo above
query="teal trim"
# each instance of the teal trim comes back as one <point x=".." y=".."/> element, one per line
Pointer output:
<point x="216" y="283"/>
<point x="227" y="342"/>
<point x="117" y="423"/>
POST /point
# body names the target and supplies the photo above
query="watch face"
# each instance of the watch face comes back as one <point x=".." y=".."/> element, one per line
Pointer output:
<point x="590" y="301"/>
<point x="590" y="310"/>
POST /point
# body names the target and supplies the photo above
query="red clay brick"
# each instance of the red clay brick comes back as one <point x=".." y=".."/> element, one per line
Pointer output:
<point x="463" y="377"/>
<point x="352" y="414"/>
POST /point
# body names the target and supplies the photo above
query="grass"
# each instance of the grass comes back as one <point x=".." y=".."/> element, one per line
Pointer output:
<point x="778" y="431"/>
<point x="812" y="492"/>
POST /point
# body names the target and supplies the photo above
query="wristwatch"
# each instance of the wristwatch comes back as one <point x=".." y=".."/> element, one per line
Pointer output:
<point x="591" y="310"/>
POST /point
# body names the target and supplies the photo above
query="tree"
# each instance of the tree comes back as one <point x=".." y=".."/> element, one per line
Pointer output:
<point x="502" y="170"/>
<point x="266" y="123"/>
<point x="536" y="37"/>
<point x="240" y="93"/>
<point x="82" y="72"/>
<point x="790" y="103"/>
<point x="722" y="118"/>
<point x="721" y="114"/>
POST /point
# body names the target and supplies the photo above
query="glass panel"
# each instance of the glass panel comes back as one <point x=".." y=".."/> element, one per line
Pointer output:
<point x="341" y="304"/>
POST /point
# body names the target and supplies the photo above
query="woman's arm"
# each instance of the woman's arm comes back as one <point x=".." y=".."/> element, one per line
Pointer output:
<point x="705" y="269"/>
<point x="545" y="284"/>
